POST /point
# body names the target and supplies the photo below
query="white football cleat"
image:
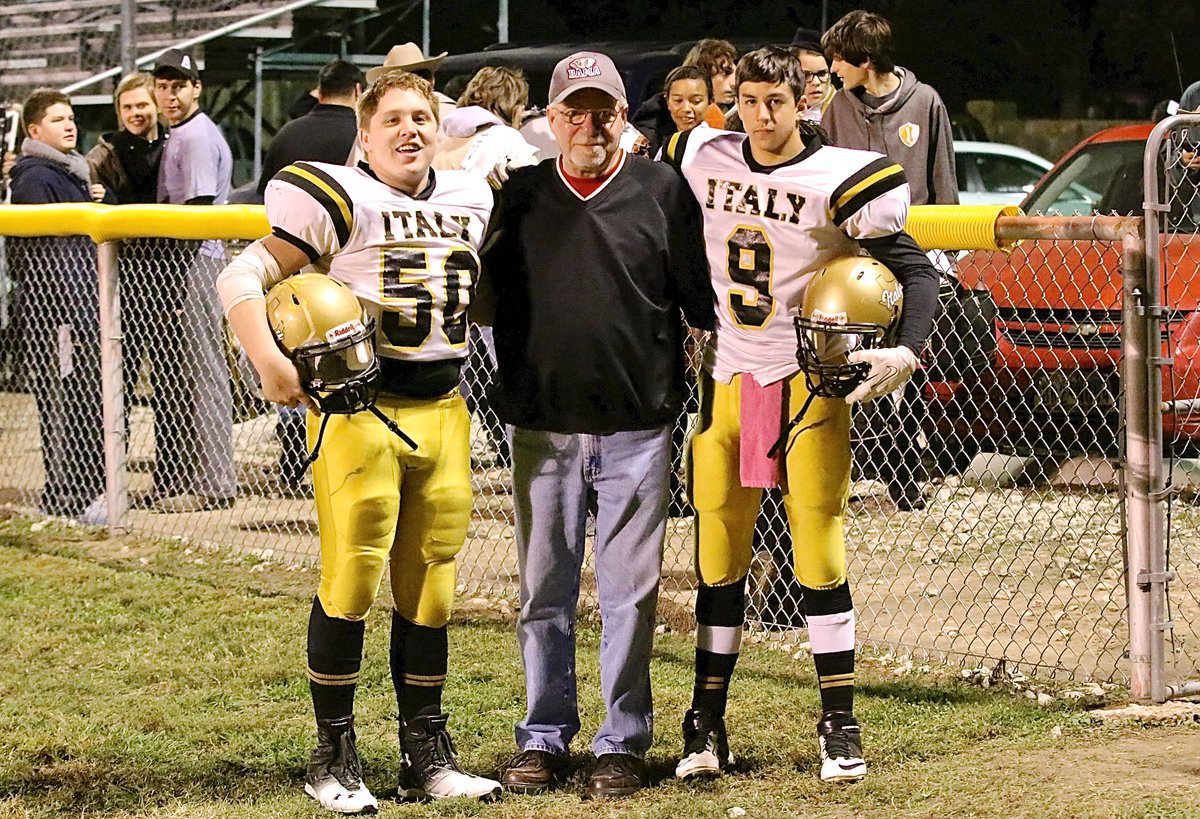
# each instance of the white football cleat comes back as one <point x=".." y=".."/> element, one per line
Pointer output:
<point x="705" y="746"/>
<point x="334" y="776"/>
<point x="840" y="741"/>
<point x="430" y="770"/>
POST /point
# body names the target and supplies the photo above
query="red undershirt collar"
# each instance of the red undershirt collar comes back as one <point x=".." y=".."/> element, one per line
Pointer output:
<point x="587" y="186"/>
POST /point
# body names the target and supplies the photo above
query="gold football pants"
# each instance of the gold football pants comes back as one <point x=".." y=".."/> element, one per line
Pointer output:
<point x="379" y="503"/>
<point x="816" y="486"/>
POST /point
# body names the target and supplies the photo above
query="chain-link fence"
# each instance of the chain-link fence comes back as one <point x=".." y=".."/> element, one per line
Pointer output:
<point x="1000" y="540"/>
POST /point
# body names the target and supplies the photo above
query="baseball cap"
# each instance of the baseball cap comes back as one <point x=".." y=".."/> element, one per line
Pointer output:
<point x="174" y="61"/>
<point x="586" y="69"/>
<point x="1190" y="101"/>
<point x="807" y="39"/>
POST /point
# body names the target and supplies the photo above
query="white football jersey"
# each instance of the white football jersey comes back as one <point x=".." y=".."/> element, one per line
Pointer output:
<point x="768" y="230"/>
<point x="413" y="261"/>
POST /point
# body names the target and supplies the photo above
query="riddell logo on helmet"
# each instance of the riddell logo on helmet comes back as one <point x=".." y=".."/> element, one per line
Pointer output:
<point x="821" y="317"/>
<point x="343" y="330"/>
<point x="581" y="68"/>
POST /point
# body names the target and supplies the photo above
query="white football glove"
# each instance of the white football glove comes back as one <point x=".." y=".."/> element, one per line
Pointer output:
<point x="890" y="368"/>
<point x="498" y="175"/>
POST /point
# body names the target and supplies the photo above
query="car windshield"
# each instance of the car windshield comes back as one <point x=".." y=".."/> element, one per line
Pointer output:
<point x="1104" y="178"/>
<point x="998" y="172"/>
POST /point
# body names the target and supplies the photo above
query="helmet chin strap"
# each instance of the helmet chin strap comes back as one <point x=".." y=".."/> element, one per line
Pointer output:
<point x="374" y="410"/>
<point x="787" y="429"/>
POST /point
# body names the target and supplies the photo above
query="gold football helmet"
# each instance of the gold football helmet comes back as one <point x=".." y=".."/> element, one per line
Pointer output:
<point x="853" y="303"/>
<point x="320" y="325"/>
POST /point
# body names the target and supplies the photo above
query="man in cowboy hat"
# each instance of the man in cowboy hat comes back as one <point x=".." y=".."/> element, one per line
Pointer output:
<point x="409" y="57"/>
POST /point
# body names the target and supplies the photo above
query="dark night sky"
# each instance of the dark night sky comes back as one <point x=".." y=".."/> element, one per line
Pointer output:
<point x="1052" y="57"/>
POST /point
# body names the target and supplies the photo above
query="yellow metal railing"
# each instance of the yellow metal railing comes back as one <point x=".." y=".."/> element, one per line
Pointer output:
<point x="948" y="227"/>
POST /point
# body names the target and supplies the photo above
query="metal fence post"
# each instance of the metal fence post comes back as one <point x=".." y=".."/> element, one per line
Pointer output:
<point x="1138" y="362"/>
<point x="112" y="387"/>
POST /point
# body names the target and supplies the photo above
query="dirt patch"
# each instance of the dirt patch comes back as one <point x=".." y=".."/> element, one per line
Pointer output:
<point x="1149" y="761"/>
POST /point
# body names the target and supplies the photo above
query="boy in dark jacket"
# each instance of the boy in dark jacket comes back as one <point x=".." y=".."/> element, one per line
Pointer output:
<point x="61" y="304"/>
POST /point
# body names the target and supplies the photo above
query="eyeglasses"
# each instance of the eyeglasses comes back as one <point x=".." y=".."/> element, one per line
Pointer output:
<point x="809" y="76"/>
<point x="600" y="116"/>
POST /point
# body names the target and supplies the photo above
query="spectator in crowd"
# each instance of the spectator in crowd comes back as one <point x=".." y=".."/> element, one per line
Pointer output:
<point x="455" y="86"/>
<point x="883" y="107"/>
<point x="818" y="82"/>
<point x="324" y="134"/>
<point x="127" y="162"/>
<point x="409" y="57"/>
<point x="841" y="201"/>
<point x="379" y="500"/>
<point x="195" y="170"/>
<point x="1183" y="162"/>
<point x="681" y="105"/>
<point x="482" y="130"/>
<point x="1189" y="103"/>
<point x="718" y="58"/>
<point x="57" y="277"/>
<point x="591" y="395"/>
<point x="478" y="135"/>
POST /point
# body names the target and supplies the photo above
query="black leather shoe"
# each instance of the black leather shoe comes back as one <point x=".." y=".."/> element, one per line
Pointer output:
<point x="533" y="772"/>
<point x="616" y="776"/>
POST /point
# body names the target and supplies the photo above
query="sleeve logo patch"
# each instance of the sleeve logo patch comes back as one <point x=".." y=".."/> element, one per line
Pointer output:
<point x="909" y="133"/>
<point x="582" y="67"/>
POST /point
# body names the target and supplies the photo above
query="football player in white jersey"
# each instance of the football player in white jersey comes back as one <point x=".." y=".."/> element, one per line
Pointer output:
<point x="778" y="206"/>
<point x="405" y="241"/>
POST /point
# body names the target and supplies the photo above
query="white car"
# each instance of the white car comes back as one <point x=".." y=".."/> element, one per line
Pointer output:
<point x="993" y="173"/>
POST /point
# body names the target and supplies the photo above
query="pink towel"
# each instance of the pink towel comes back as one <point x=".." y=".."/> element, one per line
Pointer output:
<point x="762" y="421"/>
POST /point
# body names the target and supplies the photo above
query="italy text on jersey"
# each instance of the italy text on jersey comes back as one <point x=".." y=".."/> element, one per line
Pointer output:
<point x="768" y="230"/>
<point x="412" y="261"/>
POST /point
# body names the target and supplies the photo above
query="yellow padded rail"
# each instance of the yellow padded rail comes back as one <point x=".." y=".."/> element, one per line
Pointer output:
<point x="104" y="223"/>
<point x="959" y="227"/>
<point x="948" y="227"/>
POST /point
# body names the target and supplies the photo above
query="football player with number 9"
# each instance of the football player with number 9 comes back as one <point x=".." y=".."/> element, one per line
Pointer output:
<point x="405" y="242"/>
<point x="779" y="209"/>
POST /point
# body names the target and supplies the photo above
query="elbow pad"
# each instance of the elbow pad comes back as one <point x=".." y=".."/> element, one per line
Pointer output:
<point x="251" y="274"/>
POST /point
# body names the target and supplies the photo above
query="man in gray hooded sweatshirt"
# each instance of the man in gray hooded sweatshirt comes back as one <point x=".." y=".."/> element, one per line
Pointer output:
<point x="882" y="107"/>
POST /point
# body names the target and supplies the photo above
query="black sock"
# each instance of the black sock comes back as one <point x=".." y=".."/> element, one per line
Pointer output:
<point x="720" y="618"/>
<point x="335" y="649"/>
<point x="831" y="632"/>
<point x="418" y="658"/>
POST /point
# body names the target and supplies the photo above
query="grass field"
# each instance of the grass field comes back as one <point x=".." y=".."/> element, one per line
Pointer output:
<point x="147" y="679"/>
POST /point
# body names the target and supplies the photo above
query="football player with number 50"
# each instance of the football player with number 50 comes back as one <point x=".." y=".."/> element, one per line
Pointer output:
<point x="779" y="209"/>
<point x="406" y="243"/>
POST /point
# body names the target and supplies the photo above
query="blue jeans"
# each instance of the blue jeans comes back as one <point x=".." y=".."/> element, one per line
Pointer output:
<point x="557" y="480"/>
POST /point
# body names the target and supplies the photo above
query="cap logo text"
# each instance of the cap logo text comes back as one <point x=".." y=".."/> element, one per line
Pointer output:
<point x="582" y="67"/>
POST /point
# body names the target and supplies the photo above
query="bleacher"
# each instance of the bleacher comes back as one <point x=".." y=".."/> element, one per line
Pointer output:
<point x="62" y="42"/>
